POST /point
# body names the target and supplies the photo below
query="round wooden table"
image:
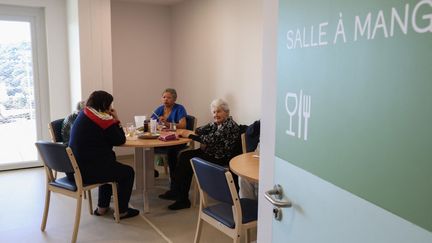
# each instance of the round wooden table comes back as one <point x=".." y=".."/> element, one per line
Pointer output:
<point x="144" y="162"/>
<point x="246" y="165"/>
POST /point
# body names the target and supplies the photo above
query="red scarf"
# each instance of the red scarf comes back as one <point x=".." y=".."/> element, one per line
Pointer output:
<point x="102" y="120"/>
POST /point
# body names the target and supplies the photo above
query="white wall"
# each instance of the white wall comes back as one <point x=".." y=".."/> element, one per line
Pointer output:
<point x="217" y="53"/>
<point x="74" y="52"/>
<point x="141" y="43"/>
<point x="95" y="50"/>
<point x="204" y="49"/>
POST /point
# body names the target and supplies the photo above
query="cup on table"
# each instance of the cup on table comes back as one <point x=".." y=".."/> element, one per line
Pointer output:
<point x="130" y="129"/>
<point x="173" y="126"/>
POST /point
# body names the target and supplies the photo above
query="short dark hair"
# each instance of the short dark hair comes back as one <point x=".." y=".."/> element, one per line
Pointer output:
<point x="100" y="100"/>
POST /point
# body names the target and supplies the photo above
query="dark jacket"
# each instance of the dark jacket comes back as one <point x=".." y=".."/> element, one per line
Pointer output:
<point x="220" y="142"/>
<point x="252" y="136"/>
<point x="92" y="145"/>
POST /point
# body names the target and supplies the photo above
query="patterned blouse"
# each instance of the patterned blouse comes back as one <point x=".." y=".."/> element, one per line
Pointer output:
<point x="67" y="126"/>
<point x="220" y="140"/>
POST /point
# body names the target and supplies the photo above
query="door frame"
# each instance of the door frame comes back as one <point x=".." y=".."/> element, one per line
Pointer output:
<point x="36" y="17"/>
<point x="268" y="120"/>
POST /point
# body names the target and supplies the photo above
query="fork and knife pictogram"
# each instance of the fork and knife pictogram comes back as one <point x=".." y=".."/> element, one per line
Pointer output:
<point x="302" y="108"/>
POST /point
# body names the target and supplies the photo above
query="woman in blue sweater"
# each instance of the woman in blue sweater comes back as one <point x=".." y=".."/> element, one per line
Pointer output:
<point x="94" y="133"/>
<point x="170" y="112"/>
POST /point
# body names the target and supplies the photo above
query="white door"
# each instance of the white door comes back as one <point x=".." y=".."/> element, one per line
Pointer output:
<point x="360" y="174"/>
<point x="22" y="70"/>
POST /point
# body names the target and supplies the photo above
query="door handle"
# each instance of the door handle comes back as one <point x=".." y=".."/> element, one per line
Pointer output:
<point x="277" y="201"/>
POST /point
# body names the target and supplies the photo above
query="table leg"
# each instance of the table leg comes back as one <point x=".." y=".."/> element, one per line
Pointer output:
<point x="139" y="161"/>
<point x="148" y="180"/>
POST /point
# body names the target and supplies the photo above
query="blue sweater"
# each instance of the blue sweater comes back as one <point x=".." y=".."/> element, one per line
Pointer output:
<point x="177" y="113"/>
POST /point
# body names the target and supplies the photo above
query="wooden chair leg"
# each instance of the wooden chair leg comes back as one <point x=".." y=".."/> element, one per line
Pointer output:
<point x="46" y="209"/>
<point x="77" y="220"/>
<point x="198" y="230"/>
<point x="247" y="236"/>
<point x="236" y="239"/>
<point x="89" y="200"/>
<point x="116" y="205"/>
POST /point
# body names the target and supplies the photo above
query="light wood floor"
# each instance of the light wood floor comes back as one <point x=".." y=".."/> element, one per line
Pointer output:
<point x="22" y="195"/>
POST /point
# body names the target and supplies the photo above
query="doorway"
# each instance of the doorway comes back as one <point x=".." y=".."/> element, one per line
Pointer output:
<point x="21" y="36"/>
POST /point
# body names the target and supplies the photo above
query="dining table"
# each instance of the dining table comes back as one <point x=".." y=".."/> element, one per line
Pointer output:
<point x="144" y="161"/>
<point x="246" y="165"/>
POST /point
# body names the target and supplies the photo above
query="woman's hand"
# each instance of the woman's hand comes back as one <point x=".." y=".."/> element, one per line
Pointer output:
<point x="184" y="133"/>
<point x="163" y="120"/>
<point x="113" y="113"/>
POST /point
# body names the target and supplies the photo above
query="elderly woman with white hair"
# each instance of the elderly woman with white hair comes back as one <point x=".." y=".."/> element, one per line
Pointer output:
<point x="217" y="138"/>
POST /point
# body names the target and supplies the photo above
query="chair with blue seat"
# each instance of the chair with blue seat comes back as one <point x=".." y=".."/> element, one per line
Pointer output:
<point x="59" y="157"/>
<point x="54" y="129"/>
<point x="230" y="214"/>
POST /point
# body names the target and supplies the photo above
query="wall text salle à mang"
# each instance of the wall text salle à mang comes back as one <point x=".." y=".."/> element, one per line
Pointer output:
<point x="417" y="18"/>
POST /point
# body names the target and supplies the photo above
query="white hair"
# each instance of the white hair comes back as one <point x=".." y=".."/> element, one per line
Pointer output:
<point x="219" y="104"/>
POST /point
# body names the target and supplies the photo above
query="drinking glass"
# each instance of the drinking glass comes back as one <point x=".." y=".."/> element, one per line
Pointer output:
<point x="130" y="129"/>
<point x="153" y="126"/>
<point x="172" y="126"/>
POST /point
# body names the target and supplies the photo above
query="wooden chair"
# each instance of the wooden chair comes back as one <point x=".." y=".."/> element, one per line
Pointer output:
<point x="54" y="129"/>
<point x="230" y="214"/>
<point x="59" y="157"/>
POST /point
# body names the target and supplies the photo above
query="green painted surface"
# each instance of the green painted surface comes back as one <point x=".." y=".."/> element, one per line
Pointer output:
<point x="370" y="124"/>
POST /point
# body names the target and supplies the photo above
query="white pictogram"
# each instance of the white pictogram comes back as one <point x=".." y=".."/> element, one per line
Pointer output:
<point x="301" y="106"/>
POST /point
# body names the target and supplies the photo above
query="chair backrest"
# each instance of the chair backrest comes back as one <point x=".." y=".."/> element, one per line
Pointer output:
<point x="212" y="180"/>
<point x="55" y="156"/>
<point x="243" y="142"/>
<point x="54" y="128"/>
<point x="252" y="136"/>
<point x="191" y="123"/>
<point x="238" y="146"/>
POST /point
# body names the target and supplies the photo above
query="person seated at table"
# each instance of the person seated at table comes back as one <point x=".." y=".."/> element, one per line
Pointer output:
<point x="94" y="133"/>
<point x="170" y="112"/>
<point x="218" y="140"/>
<point x="249" y="189"/>
<point x="68" y="122"/>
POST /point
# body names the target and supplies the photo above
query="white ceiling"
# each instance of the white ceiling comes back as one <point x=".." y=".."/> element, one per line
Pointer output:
<point x="162" y="2"/>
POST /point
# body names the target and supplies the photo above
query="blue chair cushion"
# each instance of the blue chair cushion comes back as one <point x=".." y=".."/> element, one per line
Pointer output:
<point x="65" y="183"/>
<point x="222" y="212"/>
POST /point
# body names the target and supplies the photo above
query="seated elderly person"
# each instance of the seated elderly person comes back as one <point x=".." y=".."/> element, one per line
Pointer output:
<point x="218" y="140"/>
<point x="170" y="112"/>
<point x="68" y="122"/>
